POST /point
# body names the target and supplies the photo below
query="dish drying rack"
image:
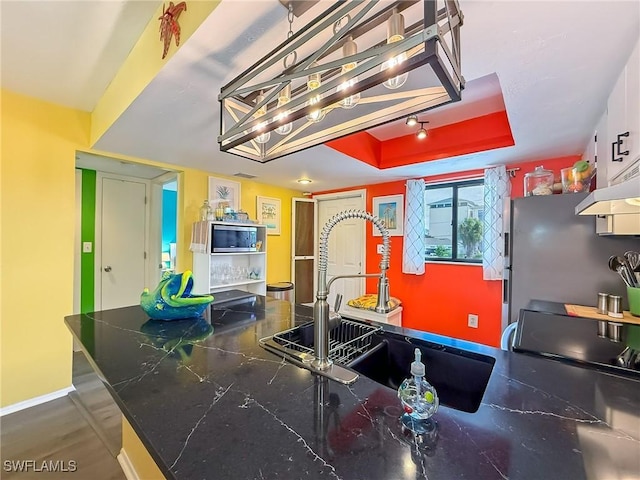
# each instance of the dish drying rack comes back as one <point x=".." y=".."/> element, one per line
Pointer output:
<point x="347" y="341"/>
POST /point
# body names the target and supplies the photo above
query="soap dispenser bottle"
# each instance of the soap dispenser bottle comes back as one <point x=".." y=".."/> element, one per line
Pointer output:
<point x="419" y="398"/>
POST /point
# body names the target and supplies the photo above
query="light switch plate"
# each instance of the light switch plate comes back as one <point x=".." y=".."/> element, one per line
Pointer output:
<point x="380" y="248"/>
<point x="472" y="320"/>
<point x="87" y="247"/>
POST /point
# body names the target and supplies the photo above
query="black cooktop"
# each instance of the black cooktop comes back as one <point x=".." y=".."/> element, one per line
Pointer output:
<point x="576" y="340"/>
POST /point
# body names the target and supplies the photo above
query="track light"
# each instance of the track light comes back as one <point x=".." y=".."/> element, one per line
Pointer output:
<point x="412" y="120"/>
<point x="422" y="133"/>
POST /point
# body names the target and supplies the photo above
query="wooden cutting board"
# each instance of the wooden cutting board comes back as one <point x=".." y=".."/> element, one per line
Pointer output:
<point x="591" y="312"/>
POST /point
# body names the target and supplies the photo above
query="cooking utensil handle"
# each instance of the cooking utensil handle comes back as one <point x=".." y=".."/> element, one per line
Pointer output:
<point x="629" y="272"/>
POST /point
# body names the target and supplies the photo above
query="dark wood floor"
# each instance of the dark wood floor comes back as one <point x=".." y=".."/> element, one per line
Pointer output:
<point x="57" y="434"/>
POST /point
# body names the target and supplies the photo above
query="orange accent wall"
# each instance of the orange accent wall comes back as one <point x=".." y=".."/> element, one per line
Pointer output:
<point x="361" y="146"/>
<point x="478" y="134"/>
<point x="440" y="300"/>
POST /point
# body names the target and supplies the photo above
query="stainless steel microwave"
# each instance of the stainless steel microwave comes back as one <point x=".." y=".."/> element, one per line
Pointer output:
<point x="233" y="238"/>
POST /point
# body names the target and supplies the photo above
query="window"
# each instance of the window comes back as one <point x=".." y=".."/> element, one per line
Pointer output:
<point x="460" y="204"/>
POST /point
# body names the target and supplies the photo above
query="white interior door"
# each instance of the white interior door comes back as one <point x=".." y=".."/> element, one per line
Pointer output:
<point x="123" y="226"/>
<point x="346" y="246"/>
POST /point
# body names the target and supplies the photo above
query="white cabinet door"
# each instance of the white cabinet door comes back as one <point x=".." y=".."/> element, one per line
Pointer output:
<point x="623" y="118"/>
<point x="633" y="106"/>
<point x="602" y="152"/>
<point x="616" y="119"/>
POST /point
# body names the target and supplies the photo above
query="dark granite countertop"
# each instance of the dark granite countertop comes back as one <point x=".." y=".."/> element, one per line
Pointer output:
<point x="219" y="406"/>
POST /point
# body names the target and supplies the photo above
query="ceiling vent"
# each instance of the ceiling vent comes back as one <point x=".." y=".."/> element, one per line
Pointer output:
<point x="243" y="175"/>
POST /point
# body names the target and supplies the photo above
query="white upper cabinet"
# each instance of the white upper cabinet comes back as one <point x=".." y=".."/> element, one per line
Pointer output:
<point x="623" y="120"/>
<point x="633" y="103"/>
<point x="602" y="151"/>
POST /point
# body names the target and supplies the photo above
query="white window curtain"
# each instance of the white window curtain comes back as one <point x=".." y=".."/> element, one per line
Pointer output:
<point x="414" y="246"/>
<point x="497" y="190"/>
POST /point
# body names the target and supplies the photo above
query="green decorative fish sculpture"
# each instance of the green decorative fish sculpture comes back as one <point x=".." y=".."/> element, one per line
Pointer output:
<point x="172" y="298"/>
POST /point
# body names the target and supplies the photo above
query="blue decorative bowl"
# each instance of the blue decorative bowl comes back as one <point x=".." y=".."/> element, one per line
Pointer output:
<point x="172" y="298"/>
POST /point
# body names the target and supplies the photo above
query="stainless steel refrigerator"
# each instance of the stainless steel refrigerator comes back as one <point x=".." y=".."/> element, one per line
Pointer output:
<point x="555" y="255"/>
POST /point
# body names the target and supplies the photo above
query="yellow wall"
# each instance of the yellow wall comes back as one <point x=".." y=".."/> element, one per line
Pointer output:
<point x="37" y="179"/>
<point x="196" y="183"/>
<point x="39" y="141"/>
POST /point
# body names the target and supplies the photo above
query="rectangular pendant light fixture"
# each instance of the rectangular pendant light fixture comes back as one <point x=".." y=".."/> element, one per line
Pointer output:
<point x="352" y="68"/>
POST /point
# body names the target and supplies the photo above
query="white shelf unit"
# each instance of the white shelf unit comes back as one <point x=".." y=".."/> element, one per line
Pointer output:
<point x="207" y="268"/>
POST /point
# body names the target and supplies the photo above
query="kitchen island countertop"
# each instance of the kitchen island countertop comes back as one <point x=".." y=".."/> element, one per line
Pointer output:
<point x="216" y="405"/>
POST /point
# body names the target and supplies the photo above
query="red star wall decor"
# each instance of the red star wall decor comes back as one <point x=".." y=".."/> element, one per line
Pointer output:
<point x="169" y="25"/>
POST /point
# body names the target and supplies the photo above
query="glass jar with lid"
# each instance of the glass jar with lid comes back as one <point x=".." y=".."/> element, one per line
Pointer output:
<point x="538" y="182"/>
<point x="206" y="212"/>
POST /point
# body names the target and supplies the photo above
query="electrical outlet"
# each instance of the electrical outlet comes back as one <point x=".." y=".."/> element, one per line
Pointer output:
<point x="87" y="247"/>
<point x="380" y="248"/>
<point x="472" y="320"/>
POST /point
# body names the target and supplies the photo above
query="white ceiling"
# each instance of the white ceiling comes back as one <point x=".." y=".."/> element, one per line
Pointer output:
<point x="67" y="52"/>
<point x="555" y="61"/>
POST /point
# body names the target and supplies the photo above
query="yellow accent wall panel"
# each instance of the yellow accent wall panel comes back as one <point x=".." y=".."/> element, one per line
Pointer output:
<point x="195" y="187"/>
<point x="143" y="64"/>
<point x="38" y="145"/>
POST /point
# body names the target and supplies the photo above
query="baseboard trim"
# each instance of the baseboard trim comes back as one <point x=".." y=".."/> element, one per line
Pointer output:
<point x="32" y="402"/>
<point x="127" y="466"/>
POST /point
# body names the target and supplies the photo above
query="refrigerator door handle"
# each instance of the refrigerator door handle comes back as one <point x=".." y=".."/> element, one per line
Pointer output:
<point x="505" y="290"/>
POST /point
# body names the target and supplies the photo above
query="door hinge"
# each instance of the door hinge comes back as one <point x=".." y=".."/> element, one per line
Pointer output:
<point x="145" y="199"/>
<point x="145" y="255"/>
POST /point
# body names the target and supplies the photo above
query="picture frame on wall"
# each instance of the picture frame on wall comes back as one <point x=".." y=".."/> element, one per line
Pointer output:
<point x="224" y="194"/>
<point x="389" y="209"/>
<point x="269" y="214"/>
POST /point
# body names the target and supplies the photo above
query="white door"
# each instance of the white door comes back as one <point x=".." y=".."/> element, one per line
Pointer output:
<point x="122" y="242"/>
<point x="346" y="247"/>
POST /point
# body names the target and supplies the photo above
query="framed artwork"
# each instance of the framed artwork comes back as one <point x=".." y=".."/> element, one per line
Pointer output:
<point x="269" y="214"/>
<point x="224" y="194"/>
<point x="390" y="210"/>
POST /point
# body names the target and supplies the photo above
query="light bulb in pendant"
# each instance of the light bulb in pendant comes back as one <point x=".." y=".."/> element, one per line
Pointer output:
<point x="313" y="82"/>
<point x="283" y="99"/>
<point x="395" y="33"/>
<point x="263" y="137"/>
<point x="348" y="49"/>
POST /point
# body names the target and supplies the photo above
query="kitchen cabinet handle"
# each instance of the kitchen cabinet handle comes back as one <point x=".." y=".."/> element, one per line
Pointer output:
<point x="615" y="148"/>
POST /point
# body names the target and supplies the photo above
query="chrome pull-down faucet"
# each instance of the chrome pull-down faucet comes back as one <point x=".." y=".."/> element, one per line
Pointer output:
<point x="321" y="306"/>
